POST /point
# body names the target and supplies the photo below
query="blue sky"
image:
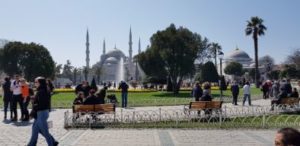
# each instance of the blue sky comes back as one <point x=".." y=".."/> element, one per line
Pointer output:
<point x="60" y="25"/>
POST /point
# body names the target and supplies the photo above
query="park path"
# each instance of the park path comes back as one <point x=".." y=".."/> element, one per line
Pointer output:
<point x="18" y="133"/>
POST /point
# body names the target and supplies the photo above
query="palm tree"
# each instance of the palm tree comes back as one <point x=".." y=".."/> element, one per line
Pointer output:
<point x="214" y="49"/>
<point x="256" y="28"/>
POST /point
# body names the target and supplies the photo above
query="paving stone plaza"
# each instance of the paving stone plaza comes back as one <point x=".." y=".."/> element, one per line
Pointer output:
<point x="18" y="133"/>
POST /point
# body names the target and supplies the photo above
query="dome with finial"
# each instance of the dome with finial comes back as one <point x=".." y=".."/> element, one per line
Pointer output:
<point x="116" y="53"/>
<point x="237" y="55"/>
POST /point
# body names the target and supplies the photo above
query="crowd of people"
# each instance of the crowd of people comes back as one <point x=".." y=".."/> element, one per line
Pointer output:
<point x="87" y="95"/>
<point x="18" y="91"/>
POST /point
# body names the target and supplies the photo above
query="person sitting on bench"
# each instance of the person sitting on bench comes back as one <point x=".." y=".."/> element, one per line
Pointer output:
<point x="295" y="93"/>
<point x="79" y="98"/>
<point x="91" y="99"/>
<point x="281" y="95"/>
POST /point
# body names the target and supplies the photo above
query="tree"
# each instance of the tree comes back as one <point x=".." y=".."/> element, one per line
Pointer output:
<point x="57" y="69"/>
<point x="151" y="63"/>
<point x="294" y="59"/>
<point x="234" y="68"/>
<point x="274" y="75"/>
<point x="178" y="48"/>
<point x="214" y="49"/>
<point x="98" y="72"/>
<point x="30" y="59"/>
<point x="267" y="62"/>
<point x="75" y="72"/>
<point x="290" y="71"/>
<point x="252" y="74"/>
<point x="208" y="73"/>
<point x="255" y="28"/>
<point x="94" y="85"/>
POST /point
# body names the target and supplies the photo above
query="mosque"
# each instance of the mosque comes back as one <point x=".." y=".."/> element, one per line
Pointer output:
<point x="243" y="58"/>
<point x="114" y="65"/>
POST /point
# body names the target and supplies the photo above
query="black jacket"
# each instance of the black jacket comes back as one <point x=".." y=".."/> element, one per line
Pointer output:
<point x="90" y="100"/>
<point x="235" y="89"/>
<point x="6" y="90"/>
<point x="41" y="100"/>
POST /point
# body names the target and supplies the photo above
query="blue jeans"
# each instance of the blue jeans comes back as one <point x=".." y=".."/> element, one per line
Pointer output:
<point x="249" y="99"/>
<point x="124" y="99"/>
<point x="40" y="125"/>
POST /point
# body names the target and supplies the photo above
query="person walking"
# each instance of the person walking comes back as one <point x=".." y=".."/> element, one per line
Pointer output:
<point x="247" y="95"/>
<point x="41" y="106"/>
<point x="235" y="92"/>
<point x="197" y="92"/>
<point x="124" y="89"/>
<point x="7" y="97"/>
<point x="16" y="97"/>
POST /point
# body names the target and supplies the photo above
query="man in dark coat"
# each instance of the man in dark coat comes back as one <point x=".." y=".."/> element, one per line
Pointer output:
<point x="197" y="92"/>
<point x="235" y="92"/>
<point x="91" y="99"/>
<point x="124" y="89"/>
<point x="7" y="97"/>
<point x="84" y="87"/>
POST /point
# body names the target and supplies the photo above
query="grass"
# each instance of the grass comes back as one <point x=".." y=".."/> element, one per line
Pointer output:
<point x="156" y="98"/>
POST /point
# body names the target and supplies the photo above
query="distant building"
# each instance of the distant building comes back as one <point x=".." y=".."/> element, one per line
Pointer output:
<point x="115" y="66"/>
<point x="241" y="57"/>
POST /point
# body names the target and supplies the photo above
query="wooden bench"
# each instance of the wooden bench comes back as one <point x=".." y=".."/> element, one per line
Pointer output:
<point x="289" y="101"/>
<point x="96" y="108"/>
<point x="105" y="108"/>
<point x="204" y="105"/>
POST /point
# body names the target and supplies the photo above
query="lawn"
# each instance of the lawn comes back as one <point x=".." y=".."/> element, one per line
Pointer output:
<point x="155" y="98"/>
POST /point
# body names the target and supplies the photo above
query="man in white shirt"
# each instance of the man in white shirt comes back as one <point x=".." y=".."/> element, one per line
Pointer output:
<point x="15" y="87"/>
<point x="246" y="91"/>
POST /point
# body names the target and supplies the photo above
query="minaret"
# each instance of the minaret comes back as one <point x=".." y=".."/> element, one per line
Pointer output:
<point x="139" y="51"/>
<point x="87" y="50"/>
<point x="104" y="49"/>
<point x="130" y="46"/>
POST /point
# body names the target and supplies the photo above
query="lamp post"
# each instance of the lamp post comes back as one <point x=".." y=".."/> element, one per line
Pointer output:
<point x="221" y="55"/>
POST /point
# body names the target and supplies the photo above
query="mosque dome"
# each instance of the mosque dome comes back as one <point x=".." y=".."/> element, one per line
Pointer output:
<point x="111" y="60"/>
<point x="116" y="53"/>
<point x="237" y="55"/>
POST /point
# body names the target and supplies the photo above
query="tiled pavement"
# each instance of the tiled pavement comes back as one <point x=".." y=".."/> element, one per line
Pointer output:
<point x="18" y="133"/>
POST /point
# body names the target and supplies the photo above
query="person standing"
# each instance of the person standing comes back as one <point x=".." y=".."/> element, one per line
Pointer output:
<point x="7" y="97"/>
<point x="235" y="92"/>
<point x="197" y="92"/>
<point x="124" y="89"/>
<point x="247" y="95"/>
<point x="25" y="100"/>
<point x="265" y="89"/>
<point x="41" y="106"/>
<point x="275" y="90"/>
<point x="16" y="97"/>
<point x="288" y="87"/>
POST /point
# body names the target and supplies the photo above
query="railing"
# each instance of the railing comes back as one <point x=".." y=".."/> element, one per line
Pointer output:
<point x="233" y="117"/>
<point x="150" y="102"/>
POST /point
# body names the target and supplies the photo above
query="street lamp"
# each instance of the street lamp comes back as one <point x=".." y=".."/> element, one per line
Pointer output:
<point x="221" y="55"/>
